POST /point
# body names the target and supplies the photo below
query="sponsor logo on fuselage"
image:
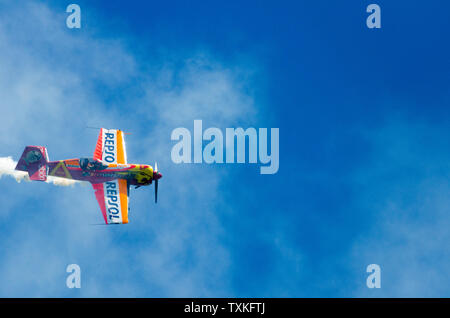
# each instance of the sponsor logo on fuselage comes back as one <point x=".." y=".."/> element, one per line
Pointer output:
<point x="105" y="175"/>
<point x="112" y="201"/>
<point x="42" y="172"/>
<point x="110" y="147"/>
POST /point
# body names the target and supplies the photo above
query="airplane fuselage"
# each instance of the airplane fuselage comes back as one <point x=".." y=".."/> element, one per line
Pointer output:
<point x="87" y="169"/>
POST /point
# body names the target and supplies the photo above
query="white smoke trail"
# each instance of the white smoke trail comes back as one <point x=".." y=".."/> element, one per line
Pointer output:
<point x="8" y="165"/>
<point x="63" y="182"/>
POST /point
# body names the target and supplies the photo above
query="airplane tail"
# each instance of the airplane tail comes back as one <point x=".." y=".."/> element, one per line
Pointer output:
<point x="34" y="160"/>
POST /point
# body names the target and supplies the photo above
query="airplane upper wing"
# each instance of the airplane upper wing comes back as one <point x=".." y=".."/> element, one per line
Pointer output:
<point x="111" y="147"/>
<point x="112" y="196"/>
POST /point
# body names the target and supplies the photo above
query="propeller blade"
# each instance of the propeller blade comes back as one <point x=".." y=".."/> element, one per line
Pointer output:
<point x="156" y="190"/>
<point x="156" y="176"/>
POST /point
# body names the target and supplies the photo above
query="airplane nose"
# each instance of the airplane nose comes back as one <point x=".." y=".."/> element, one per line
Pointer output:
<point x="157" y="175"/>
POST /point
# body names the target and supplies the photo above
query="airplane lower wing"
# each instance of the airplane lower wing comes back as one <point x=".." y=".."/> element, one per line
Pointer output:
<point x="112" y="196"/>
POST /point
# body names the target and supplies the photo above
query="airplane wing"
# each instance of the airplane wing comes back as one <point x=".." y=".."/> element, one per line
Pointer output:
<point x="112" y="196"/>
<point x="110" y="147"/>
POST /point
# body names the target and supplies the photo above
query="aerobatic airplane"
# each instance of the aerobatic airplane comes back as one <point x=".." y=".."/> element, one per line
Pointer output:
<point x="108" y="172"/>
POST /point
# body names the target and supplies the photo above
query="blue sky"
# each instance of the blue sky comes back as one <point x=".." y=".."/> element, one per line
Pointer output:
<point x="364" y="147"/>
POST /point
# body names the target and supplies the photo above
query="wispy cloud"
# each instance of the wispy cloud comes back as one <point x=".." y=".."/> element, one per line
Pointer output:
<point x="404" y="190"/>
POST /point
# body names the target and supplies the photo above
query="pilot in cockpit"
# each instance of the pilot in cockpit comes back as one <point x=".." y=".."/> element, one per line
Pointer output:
<point x="89" y="164"/>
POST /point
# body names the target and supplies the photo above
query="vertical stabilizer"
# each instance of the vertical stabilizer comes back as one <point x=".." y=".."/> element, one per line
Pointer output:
<point x="34" y="160"/>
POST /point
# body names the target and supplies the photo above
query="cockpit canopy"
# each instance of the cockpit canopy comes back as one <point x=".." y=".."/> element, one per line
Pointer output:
<point x="90" y="164"/>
